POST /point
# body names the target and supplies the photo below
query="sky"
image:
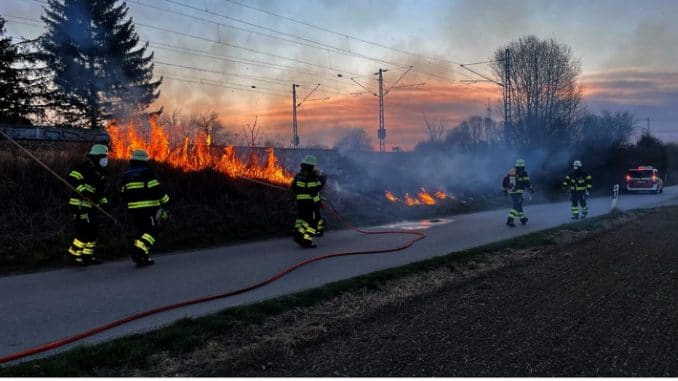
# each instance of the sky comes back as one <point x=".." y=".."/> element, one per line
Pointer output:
<point x="240" y="58"/>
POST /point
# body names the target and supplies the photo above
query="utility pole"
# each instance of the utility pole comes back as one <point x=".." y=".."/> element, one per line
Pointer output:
<point x="295" y="105"/>
<point x="508" y="89"/>
<point x="295" y="131"/>
<point x="381" y="133"/>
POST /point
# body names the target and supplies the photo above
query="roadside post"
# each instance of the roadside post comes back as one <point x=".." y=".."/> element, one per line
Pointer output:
<point x="615" y="196"/>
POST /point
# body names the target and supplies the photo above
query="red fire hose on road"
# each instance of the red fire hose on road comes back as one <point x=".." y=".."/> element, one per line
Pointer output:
<point x="326" y="205"/>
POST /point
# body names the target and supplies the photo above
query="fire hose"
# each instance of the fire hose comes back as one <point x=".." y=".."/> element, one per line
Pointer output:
<point x="325" y="204"/>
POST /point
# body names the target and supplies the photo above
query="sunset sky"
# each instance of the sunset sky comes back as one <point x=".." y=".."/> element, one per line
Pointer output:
<point x="211" y="53"/>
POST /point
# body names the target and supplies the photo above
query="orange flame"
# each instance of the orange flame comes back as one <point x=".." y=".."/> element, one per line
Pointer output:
<point x="422" y="198"/>
<point x="426" y="198"/>
<point x="194" y="156"/>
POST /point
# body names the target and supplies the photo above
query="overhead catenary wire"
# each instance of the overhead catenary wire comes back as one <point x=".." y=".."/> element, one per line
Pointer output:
<point x="197" y="52"/>
<point x="344" y="34"/>
<point x="334" y="48"/>
<point x="241" y="47"/>
<point x="307" y="42"/>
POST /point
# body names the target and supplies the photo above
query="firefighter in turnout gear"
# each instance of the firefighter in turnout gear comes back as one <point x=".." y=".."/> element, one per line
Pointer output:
<point x="89" y="182"/>
<point x="578" y="182"/>
<point x="306" y="187"/>
<point x="146" y="201"/>
<point x="515" y="184"/>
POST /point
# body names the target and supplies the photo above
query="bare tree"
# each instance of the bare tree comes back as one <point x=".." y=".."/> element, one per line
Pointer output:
<point x="546" y="96"/>
<point x="436" y="129"/>
<point x="252" y="132"/>
<point x="207" y="122"/>
<point x="355" y="139"/>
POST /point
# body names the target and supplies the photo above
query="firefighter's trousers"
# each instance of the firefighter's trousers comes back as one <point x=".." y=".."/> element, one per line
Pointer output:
<point x="308" y="223"/>
<point x="86" y="231"/>
<point x="579" y="206"/>
<point x="145" y="233"/>
<point x="517" y="210"/>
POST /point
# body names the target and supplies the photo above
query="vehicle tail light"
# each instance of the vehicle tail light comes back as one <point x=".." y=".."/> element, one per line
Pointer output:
<point x="628" y="178"/>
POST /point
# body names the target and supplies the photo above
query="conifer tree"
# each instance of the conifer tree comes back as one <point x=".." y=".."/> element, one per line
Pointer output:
<point x="20" y="85"/>
<point x="99" y="70"/>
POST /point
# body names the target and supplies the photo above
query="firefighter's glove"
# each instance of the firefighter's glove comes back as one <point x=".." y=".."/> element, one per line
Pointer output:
<point x="162" y="216"/>
<point x="532" y="190"/>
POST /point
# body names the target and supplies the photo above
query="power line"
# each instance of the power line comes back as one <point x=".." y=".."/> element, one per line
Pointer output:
<point x="326" y="46"/>
<point x="240" y="47"/>
<point x="202" y="53"/>
<point x="334" y="48"/>
<point x="344" y="34"/>
<point x="221" y="72"/>
<point x="201" y="82"/>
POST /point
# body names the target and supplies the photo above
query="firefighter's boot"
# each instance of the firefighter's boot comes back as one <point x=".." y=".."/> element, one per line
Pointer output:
<point x="523" y="220"/>
<point x="509" y="222"/>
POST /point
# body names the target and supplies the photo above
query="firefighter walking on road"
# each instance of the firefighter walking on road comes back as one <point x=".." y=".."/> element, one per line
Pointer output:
<point x="89" y="182"/>
<point x="306" y="187"/>
<point x="515" y="184"/>
<point x="146" y="201"/>
<point x="578" y="182"/>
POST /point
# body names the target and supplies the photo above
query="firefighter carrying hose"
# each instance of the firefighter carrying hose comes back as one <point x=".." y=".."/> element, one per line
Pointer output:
<point x="578" y="182"/>
<point x="146" y="201"/>
<point x="515" y="184"/>
<point x="306" y="187"/>
<point x="89" y="181"/>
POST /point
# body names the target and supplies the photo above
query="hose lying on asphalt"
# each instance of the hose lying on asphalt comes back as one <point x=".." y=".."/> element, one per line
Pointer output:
<point x="326" y="205"/>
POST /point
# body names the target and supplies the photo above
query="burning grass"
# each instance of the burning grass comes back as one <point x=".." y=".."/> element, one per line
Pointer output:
<point x="194" y="154"/>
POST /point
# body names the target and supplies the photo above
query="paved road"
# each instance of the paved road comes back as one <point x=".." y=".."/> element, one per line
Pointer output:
<point x="43" y="307"/>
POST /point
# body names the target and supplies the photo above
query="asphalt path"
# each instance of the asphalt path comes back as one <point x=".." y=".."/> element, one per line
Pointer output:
<point x="43" y="307"/>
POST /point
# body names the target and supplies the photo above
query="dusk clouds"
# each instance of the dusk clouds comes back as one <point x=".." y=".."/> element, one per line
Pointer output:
<point x="241" y="61"/>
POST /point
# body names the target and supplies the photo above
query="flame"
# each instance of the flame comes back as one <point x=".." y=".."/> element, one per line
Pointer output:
<point x="423" y="197"/>
<point x="194" y="155"/>
<point x="391" y="197"/>
<point x="410" y="200"/>
<point x="426" y="198"/>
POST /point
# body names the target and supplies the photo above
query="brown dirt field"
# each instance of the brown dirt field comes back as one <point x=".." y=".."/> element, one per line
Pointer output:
<point x="594" y="304"/>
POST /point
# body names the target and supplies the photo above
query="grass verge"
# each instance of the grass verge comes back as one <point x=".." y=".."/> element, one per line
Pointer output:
<point x="135" y="353"/>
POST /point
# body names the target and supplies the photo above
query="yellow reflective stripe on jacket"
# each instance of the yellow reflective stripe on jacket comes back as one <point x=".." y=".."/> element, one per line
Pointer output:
<point x="153" y="183"/>
<point x="313" y="184"/>
<point x="103" y="201"/>
<point x="304" y="196"/>
<point x="301" y="184"/>
<point x="135" y="185"/>
<point x="143" y="204"/>
<point x="165" y="199"/>
<point x="77" y="175"/>
<point x="78" y="202"/>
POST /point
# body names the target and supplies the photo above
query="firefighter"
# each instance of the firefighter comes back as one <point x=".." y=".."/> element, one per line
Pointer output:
<point x="89" y="182"/>
<point x="515" y="184"/>
<point x="306" y="187"/>
<point x="146" y="203"/>
<point x="578" y="182"/>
